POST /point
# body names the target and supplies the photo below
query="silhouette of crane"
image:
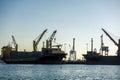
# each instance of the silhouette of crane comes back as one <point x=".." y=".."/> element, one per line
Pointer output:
<point x="49" y="41"/>
<point x="36" y="42"/>
<point x="73" y="52"/>
<point x="15" y="44"/>
<point x="117" y="44"/>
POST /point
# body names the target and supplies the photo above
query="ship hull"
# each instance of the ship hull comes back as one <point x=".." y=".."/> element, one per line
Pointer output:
<point x="51" y="59"/>
<point x="34" y="58"/>
<point x="102" y="60"/>
<point x="20" y="61"/>
<point x="21" y="57"/>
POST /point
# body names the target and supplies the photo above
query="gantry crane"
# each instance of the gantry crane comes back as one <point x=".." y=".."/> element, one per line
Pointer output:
<point x="35" y="42"/>
<point x="117" y="44"/>
<point x="15" y="44"/>
<point x="49" y="41"/>
<point x="103" y="48"/>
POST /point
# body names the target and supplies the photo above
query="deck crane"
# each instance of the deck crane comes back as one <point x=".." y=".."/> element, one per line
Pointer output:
<point x="49" y="41"/>
<point x="117" y="44"/>
<point x="35" y="42"/>
<point x="15" y="44"/>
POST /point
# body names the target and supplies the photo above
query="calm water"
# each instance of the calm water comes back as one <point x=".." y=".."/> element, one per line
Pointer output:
<point x="59" y="72"/>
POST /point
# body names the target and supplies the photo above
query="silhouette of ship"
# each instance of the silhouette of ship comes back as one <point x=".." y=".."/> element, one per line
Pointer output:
<point x="92" y="57"/>
<point x="51" y="54"/>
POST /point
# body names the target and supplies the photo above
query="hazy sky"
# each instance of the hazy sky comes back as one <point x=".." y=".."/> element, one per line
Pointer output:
<point x="80" y="19"/>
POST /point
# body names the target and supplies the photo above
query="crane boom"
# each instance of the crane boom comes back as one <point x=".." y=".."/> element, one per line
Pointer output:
<point x="110" y="37"/>
<point x="53" y="35"/>
<point x="49" y="41"/>
<point x="40" y="37"/>
<point x="14" y="42"/>
<point x="35" y="43"/>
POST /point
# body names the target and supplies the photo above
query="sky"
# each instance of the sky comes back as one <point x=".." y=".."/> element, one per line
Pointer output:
<point x="79" y="19"/>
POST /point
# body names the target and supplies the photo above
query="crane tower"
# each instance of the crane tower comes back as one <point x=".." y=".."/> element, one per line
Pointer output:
<point x="73" y="52"/>
<point x="104" y="48"/>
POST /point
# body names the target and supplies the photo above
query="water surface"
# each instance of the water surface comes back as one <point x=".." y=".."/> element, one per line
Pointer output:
<point x="59" y="72"/>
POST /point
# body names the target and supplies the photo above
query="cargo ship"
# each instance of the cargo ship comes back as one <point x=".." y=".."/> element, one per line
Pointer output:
<point x="93" y="57"/>
<point x="51" y="54"/>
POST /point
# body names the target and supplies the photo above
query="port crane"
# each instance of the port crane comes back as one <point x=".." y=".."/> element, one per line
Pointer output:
<point x="73" y="52"/>
<point x="117" y="44"/>
<point x="35" y="42"/>
<point x="15" y="44"/>
<point x="49" y="41"/>
<point x="103" y="47"/>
